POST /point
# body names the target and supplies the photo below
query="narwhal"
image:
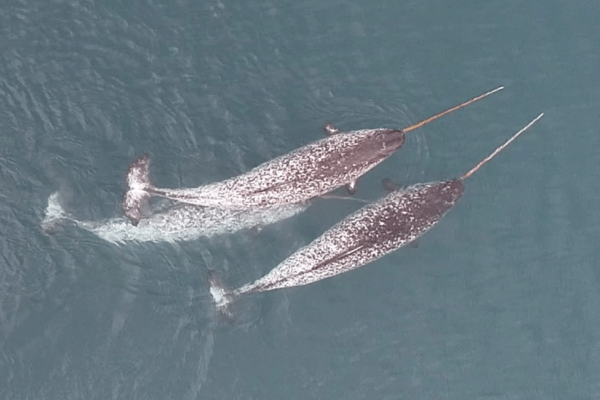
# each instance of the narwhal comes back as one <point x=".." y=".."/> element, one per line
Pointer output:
<point x="305" y="173"/>
<point x="373" y="231"/>
<point x="170" y="222"/>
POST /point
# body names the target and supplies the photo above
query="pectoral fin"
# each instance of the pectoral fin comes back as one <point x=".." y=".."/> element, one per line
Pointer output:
<point x="351" y="187"/>
<point x="390" y="185"/>
<point x="330" y="129"/>
<point x="415" y="243"/>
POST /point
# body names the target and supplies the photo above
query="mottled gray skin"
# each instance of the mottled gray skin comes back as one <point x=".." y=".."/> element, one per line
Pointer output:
<point x="172" y="223"/>
<point x="308" y="172"/>
<point x="366" y="235"/>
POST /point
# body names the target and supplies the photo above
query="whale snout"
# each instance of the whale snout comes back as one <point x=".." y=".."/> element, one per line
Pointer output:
<point x="393" y="139"/>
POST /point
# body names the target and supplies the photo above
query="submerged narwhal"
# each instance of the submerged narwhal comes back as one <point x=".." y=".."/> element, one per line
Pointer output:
<point x="366" y="235"/>
<point x="170" y="222"/>
<point x="305" y="173"/>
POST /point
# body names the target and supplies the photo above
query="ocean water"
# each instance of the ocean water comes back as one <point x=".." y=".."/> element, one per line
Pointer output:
<point x="499" y="301"/>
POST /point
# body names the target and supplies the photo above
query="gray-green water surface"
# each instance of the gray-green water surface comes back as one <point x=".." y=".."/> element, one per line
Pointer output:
<point x="500" y="301"/>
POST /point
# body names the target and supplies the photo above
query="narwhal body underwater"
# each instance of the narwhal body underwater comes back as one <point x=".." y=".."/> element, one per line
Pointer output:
<point x="305" y="173"/>
<point x="365" y="236"/>
<point x="171" y="222"/>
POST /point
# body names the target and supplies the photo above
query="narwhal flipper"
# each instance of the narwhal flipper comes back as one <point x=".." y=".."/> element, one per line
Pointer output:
<point x="351" y="188"/>
<point x="330" y="129"/>
<point x="389" y="185"/>
<point x="415" y="243"/>
<point x="137" y="196"/>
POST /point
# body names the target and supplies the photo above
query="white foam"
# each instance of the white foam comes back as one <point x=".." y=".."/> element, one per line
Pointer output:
<point x="180" y="222"/>
<point x="55" y="214"/>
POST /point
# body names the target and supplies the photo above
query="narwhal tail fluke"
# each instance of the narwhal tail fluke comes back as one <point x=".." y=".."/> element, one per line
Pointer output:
<point x="223" y="297"/>
<point x="138" y="189"/>
<point x="55" y="215"/>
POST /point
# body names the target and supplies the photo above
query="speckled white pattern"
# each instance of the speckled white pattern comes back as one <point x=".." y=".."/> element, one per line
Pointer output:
<point x="300" y="175"/>
<point x="366" y="235"/>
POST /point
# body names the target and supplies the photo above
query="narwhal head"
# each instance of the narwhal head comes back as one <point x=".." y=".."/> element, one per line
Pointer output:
<point x="391" y="139"/>
<point x="382" y="143"/>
